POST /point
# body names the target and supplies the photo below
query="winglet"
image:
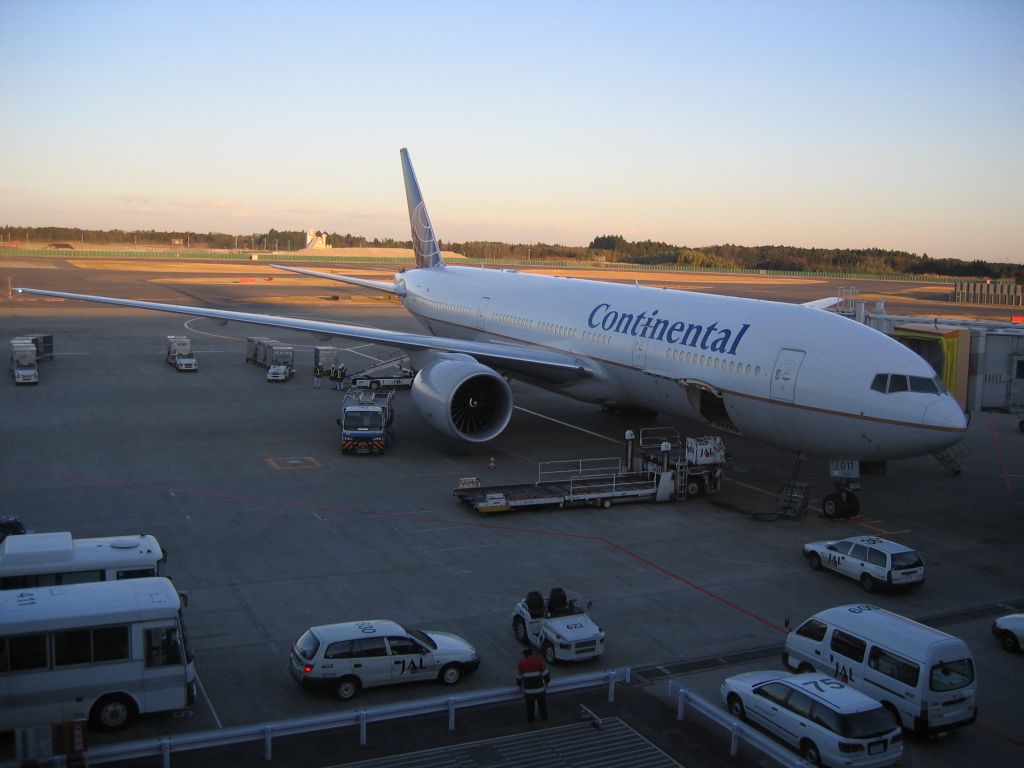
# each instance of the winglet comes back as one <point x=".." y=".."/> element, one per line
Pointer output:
<point x="423" y="240"/>
<point x="831" y="301"/>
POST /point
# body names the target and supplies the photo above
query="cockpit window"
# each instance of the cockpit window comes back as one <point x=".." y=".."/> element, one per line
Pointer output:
<point x="921" y="384"/>
<point x="897" y="383"/>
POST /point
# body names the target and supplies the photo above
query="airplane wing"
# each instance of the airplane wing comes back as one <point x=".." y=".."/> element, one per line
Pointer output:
<point x="831" y="301"/>
<point x="396" y="288"/>
<point x="546" y="364"/>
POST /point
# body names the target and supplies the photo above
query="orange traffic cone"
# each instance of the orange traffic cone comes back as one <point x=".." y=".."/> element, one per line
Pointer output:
<point x="491" y="464"/>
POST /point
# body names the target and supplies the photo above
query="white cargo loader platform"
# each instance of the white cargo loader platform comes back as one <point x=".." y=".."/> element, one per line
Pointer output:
<point x="664" y="474"/>
<point x="600" y="482"/>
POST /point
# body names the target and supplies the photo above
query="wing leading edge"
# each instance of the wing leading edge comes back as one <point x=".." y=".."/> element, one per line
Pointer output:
<point x="546" y="364"/>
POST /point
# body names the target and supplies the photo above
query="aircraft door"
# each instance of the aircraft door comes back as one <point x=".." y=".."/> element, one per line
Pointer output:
<point x="787" y="365"/>
<point x="484" y="313"/>
<point x="640" y="353"/>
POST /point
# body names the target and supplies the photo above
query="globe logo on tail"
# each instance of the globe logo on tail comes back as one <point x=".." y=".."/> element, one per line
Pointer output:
<point x="423" y="240"/>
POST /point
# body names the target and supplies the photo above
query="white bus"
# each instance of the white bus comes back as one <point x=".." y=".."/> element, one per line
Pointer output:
<point x="102" y="651"/>
<point x="47" y="559"/>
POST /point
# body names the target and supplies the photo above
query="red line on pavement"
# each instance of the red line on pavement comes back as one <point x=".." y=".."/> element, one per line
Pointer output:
<point x="999" y="735"/>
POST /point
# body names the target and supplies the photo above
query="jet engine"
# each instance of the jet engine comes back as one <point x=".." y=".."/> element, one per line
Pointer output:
<point x="461" y="398"/>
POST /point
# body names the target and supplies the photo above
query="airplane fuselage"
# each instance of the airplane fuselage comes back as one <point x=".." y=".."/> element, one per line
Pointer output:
<point x="789" y="375"/>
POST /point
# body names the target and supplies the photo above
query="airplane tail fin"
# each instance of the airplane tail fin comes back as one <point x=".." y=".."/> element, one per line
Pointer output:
<point x="424" y="242"/>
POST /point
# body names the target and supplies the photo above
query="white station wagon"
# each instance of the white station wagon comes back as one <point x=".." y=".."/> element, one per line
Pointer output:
<point x="824" y="720"/>
<point x="871" y="560"/>
<point x="363" y="654"/>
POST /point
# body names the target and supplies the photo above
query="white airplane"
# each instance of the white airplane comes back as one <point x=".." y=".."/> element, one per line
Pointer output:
<point x="790" y="375"/>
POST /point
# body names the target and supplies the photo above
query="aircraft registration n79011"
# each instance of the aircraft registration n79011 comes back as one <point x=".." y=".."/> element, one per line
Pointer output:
<point x="790" y="375"/>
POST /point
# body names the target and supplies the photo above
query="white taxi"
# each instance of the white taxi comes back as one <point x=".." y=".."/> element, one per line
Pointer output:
<point x="362" y="654"/>
<point x="826" y="721"/>
<point x="871" y="560"/>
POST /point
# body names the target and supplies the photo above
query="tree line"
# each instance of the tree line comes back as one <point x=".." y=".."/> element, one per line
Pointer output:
<point x="604" y="248"/>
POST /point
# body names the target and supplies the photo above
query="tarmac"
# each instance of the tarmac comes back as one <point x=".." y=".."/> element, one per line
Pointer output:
<point x="271" y="530"/>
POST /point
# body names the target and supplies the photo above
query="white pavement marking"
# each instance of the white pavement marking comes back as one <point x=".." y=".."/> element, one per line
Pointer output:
<point x="570" y="426"/>
<point x="208" y="702"/>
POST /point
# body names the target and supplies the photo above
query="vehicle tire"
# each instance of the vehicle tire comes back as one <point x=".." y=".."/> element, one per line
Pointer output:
<point x="519" y="627"/>
<point x="852" y="505"/>
<point x="895" y="712"/>
<point x="804" y="668"/>
<point x="450" y="674"/>
<point x="814" y="561"/>
<point x="736" y="708"/>
<point x="374" y="385"/>
<point x="348" y="687"/>
<point x="809" y="752"/>
<point x="549" y="653"/>
<point x="693" y="488"/>
<point x="1009" y="641"/>
<point x="112" y="712"/>
<point x="867" y="582"/>
<point x="606" y="503"/>
<point x="830" y="506"/>
<point x="1020" y="425"/>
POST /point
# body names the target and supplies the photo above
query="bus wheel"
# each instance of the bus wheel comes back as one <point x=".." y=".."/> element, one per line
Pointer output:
<point x="112" y="713"/>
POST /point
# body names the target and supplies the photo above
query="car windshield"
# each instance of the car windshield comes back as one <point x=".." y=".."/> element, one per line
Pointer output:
<point x="868" y="724"/>
<point x="306" y="645"/>
<point x="903" y="560"/>
<point x="949" y="676"/>
<point x="363" y="420"/>
<point x="422" y="636"/>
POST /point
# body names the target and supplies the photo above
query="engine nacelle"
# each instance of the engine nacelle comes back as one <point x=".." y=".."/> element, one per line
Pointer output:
<point x="461" y="398"/>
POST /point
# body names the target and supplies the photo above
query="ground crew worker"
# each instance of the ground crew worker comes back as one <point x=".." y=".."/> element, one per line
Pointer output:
<point x="332" y="374"/>
<point x="532" y="676"/>
<point x="318" y="372"/>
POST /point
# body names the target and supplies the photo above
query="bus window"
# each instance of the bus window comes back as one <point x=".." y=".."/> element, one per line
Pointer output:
<point x="162" y="647"/>
<point x="137" y="573"/>
<point x="27" y="652"/>
<point x="81" y="577"/>
<point x="73" y="646"/>
<point x="110" y="643"/>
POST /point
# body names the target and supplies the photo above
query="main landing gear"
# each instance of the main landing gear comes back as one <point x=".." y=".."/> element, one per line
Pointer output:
<point x="844" y="503"/>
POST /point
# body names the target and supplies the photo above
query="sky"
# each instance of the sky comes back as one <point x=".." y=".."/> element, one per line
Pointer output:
<point x="889" y="124"/>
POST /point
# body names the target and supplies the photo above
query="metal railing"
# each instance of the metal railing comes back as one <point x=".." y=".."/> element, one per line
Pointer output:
<point x="738" y="730"/>
<point x="565" y="470"/>
<point x="609" y="486"/>
<point x="166" y="746"/>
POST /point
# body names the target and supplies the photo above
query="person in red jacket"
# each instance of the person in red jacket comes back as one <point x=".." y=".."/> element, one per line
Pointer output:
<point x="532" y="676"/>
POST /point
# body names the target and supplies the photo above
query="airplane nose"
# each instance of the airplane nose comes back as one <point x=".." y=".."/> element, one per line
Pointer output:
<point x="945" y="413"/>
